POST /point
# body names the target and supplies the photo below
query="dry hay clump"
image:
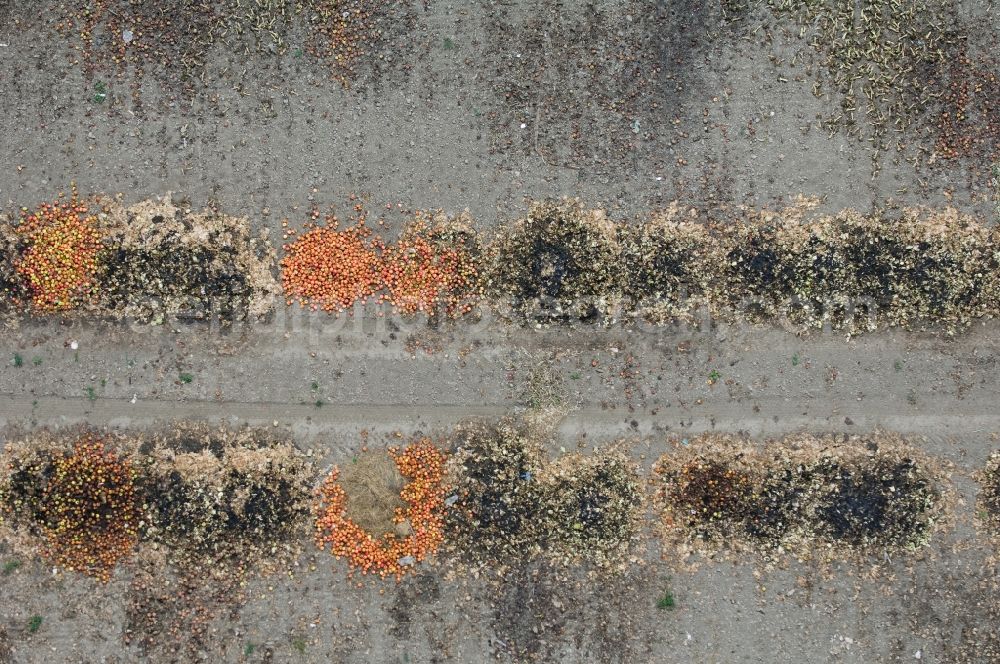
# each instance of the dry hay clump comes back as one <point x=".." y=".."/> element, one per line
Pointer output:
<point x="79" y="494"/>
<point x="669" y="261"/>
<point x="908" y="268"/>
<point x="221" y="494"/>
<point x="558" y="264"/>
<point x="842" y="496"/>
<point x="511" y="505"/>
<point x="989" y="496"/>
<point x="372" y="484"/>
<point x="163" y="261"/>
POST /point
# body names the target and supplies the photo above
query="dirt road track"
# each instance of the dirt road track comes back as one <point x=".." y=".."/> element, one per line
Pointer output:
<point x="776" y="417"/>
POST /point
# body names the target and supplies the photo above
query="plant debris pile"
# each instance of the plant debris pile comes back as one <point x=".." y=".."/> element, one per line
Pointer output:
<point x="164" y="262"/>
<point x="989" y="495"/>
<point x="711" y="498"/>
<point x="147" y="263"/>
<point x="512" y="505"/>
<point x="219" y="494"/>
<point x="667" y="266"/>
<point x="84" y="502"/>
<point x="592" y="506"/>
<point x="494" y="475"/>
<point x="560" y="263"/>
<point x="417" y="529"/>
<point x="909" y="268"/>
<point x="858" y="495"/>
<point x="873" y="501"/>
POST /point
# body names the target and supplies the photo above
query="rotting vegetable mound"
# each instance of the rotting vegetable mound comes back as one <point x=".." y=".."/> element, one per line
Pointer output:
<point x="989" y="496"/>
<point x="219" y="494"/>
<point x="417" y="529"/>
<point x="854" y="495"/>
<point x="512" y="505"/>
<point x="82" y="500"/>
<point x="162" y="261"/>
<point x="148" y="263"/>
<point x="560" y="263"/>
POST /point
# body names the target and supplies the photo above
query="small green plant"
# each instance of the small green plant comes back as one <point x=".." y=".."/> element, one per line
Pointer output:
<point x="713" y="376"/>
<point x="575" y="375"/>
<point x="795" y="360"/>
<point x="449" y="44"/>
<point x="298" y="53"/>
<point x="35" y="624"/>
<point x="10" y="567"/>
<point x="249" y="649"/>
<point x="186" y="378"/>
<point x="37" y="361"/>
<point x="91" y="392"/>
<point x="898" y="365"/>
<point x="18" y="360"/>
<point x="319" y="403"/>
<point x="314" y="386"/>
<point x="299" y="643"/>
<point x="911" y="398"/>
<point x="100" y="92"/>
<point x="666" y="602"/>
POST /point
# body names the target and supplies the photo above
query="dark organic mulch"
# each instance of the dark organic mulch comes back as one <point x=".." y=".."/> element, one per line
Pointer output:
<point x="668" y="262"/>
<point x="512" y="505"/>
<point x="711" y="498"/>
<point x="13" y="289"/>
<point x="859" y="496"/>
<point x="204" y="282"/>
<point x="224" y="494"/>
<point x="877" y="501"/>
<point x="591" y="507"/>
<point x="494" y="475"/>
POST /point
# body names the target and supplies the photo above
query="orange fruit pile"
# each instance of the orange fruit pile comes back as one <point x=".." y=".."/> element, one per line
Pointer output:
<point x="91" y="509"/>
<point x="61" y="259"/>
<point x="423" y="465"/>
<point x="422" y="275"/>
<point x="330" y="269"/>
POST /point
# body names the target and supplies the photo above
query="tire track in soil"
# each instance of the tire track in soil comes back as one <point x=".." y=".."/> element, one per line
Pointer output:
<point x="777" y="416"/>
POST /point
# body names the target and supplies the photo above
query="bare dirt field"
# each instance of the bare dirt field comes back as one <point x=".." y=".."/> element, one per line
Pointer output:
<point x="626" y="104"/>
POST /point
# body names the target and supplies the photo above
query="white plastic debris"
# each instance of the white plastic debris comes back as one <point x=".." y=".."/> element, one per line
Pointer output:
<point x="127" y="36"/>
<point x="407" y="560"/>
